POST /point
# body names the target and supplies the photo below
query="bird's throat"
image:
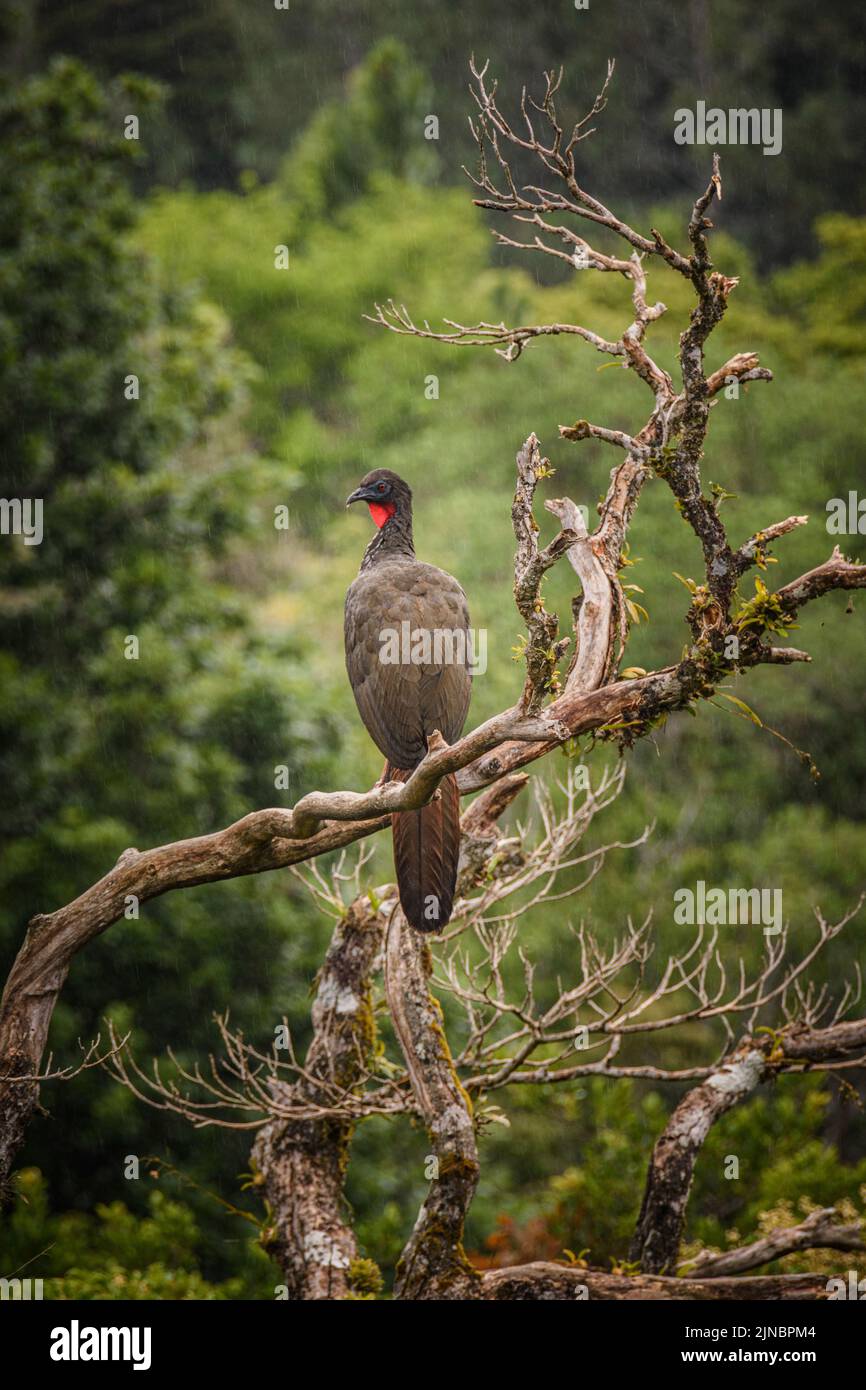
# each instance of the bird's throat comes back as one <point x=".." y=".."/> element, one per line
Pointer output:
<point x="380" y="513"/>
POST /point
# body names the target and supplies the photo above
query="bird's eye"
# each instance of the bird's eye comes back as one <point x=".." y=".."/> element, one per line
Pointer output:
<point x="381" y="487"/>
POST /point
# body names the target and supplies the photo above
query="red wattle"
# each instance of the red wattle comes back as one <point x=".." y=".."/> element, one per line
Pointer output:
<point x="380" y="513"/>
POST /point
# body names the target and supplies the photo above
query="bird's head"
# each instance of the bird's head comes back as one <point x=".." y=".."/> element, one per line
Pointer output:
<point x="385" y="493"/>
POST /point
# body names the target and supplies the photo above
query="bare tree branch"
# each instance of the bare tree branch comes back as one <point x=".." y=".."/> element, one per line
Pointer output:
<point x="433" y="1264"/>
<point x="543" y="650"/>
<point x="820" y="1230"/>
<point x="660" y="1224"/>
<point x="659" y="1228"/>
<point x="544" y="1280"/>
<point x="302" y="1164"/>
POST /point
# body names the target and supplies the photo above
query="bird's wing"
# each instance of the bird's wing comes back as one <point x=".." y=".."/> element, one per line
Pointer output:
<point x="401" y="702"/>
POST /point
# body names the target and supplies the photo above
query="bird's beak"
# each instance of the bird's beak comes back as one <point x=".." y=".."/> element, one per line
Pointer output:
<point x="359" y="495"/>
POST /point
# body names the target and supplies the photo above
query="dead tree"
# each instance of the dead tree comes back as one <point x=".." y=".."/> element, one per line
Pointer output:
<point x="772" y="1021"/>
<point x="304" y="1112"/>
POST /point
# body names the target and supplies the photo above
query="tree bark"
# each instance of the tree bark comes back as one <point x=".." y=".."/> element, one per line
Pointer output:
<point x="543" y="1281"/>
<point x="656" y="1240"/>
<point x="820" y="1231"/>
<point x="433" y="1264"/>
<point x="301" y="1164"/>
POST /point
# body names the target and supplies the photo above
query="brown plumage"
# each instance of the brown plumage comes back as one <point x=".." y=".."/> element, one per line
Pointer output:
<point x="407" y="655"/>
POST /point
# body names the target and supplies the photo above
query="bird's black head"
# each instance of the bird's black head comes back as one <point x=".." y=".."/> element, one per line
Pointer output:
<point x="386" y="494"/>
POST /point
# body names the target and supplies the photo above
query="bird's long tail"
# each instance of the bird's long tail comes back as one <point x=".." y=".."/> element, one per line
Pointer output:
<point x="426" y="851"/>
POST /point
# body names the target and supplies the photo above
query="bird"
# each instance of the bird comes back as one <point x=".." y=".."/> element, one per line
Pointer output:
<point x="408" y="657"/>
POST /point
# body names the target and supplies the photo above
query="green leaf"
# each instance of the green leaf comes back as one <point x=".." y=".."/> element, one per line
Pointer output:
<point x="689" y="583"/>
<point x="747" y="710"/>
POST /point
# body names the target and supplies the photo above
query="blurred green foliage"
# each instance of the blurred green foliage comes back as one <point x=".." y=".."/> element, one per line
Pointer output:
<point x="151" y="506"/>
<point x="602" y="1136"/>
<point x="116" y="1255"/>
<point x="262" y="387"/>
<point x="245" y="81"/>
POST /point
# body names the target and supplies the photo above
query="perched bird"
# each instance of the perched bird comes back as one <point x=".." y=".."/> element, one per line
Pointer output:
<point x="408" y="654"/>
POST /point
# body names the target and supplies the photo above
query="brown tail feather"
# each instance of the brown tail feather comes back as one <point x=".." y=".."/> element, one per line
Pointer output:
<point x="426" y="851"/>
